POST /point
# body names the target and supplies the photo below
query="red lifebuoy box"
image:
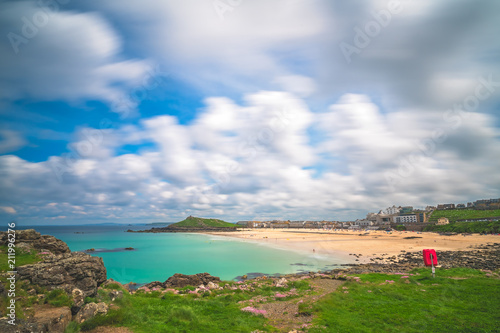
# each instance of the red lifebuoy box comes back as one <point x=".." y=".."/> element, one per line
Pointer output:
<point x="427" y="257"/>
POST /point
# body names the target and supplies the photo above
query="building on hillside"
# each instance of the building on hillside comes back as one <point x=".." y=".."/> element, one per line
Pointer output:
<point x="243" y="223"/>
<point x="280" y="224"/>
<point x="363" y="223"/>
<point x="421" y="216"/>
<point x="406" y="210"/>
<point x="446" y="206"/>
<point x="487" y="204"/>
<point x="430" y="208"/>
<point x="443" y="221"/>
<point x="392" y="210"/>
<point x="470" y="205"/>
<point x="402" y="219"/>
<point x="297" y="224"/>
<point x="459" y="206"/>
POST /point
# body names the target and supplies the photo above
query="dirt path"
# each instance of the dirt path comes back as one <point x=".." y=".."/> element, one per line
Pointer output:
<point x="285" y="316"/>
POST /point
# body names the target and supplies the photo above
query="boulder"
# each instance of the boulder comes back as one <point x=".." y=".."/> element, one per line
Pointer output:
<point x="181" y="280"/>
<point x="78" y="300"/>
<point x="90" y="310"/>
<point x="67" y="272"/>
<point x="212" y="285"/>
<point x="280" y="283"/>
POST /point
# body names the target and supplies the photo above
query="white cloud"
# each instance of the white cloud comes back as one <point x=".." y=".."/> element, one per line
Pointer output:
<point x="10" y="141"/>
<point x="8" y="210"/>
<point x="73" y="56"/>
<point x="222" y="165"/>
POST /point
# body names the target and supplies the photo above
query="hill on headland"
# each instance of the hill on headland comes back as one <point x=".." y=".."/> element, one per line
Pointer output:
<point x="195" y="224"/>
<point x="198" y="222"/>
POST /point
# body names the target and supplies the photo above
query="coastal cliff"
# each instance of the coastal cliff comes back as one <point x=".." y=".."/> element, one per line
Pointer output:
<point x="51" y="285"/>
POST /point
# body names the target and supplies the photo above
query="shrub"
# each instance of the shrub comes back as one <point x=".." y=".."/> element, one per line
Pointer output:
<point x="58" y="297"/>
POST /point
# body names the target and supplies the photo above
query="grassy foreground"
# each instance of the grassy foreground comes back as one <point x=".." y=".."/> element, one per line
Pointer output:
<point x="457" y="300"/>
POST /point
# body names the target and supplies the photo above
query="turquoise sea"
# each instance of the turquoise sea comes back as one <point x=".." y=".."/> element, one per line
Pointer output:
<point x="158" y="256"/>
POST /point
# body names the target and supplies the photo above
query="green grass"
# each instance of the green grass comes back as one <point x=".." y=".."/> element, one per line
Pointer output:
<point x="198" y="222"/>
<point x="22" y="258"/>
<point x="459" y="214"/>
<point x="151" y="313"/>
<point x="58" y="297"/>
<point x="467" y="227"/>
<point x="468" y="303"/>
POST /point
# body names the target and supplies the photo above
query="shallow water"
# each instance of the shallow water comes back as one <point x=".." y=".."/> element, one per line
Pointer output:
<point x="157" y="256"/>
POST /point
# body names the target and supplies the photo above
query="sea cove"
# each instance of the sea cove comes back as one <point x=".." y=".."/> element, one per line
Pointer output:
<point x="157" y="256"/>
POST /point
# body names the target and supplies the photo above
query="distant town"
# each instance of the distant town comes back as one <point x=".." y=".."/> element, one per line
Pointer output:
<point x="406" y="216"/>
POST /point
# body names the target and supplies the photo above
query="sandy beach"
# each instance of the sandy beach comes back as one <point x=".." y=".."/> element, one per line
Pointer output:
<point x="365" y="245"/>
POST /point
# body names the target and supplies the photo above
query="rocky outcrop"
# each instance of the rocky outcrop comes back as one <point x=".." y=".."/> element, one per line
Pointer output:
<point x="78" y="300"/>
<point x="67" y="272"/>
<point x="90" y="310"/>
<point x="30" y="239"/>
<point x="181" y="280"/>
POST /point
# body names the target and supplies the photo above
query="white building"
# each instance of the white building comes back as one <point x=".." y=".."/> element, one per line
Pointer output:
<point x="363" y="223"/>
<point x="392" y="210"/>
<point x="406" y="219"/>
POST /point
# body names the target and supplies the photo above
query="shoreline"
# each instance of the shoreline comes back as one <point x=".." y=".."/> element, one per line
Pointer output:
<point x="355" y="246"/>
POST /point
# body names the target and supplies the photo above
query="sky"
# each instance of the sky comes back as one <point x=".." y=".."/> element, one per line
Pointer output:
<point x="146" y="111"/>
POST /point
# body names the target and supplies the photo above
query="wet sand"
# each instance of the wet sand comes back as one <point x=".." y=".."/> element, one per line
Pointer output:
<point x="367" y="245"/>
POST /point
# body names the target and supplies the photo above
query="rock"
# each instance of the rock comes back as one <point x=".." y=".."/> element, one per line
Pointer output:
<point x="78" y="300"/>
<point x="90" y="310"/>
<point x="111" y="281"/>
<point x="52" y="244"/>
<point x="129" y="248"/>
<point x="212" y="285"/>
<point x="30" y="239"/>
<point x="154" y="284"/>
<point x="115" y="294"/>
<point x="181" y="280"/>
<point x="67" y="272"/>
<point x="280" y="283"/>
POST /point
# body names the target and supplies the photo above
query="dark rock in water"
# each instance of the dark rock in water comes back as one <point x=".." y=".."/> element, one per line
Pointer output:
<point x="90" y="250"/>
<point x="129" y="248"/>
<point x="181" y="280"/>
<point x="67" y="272"/>
<point x="30" y="239"/>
